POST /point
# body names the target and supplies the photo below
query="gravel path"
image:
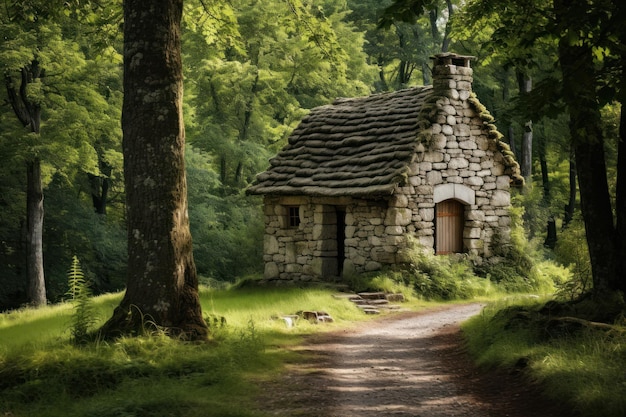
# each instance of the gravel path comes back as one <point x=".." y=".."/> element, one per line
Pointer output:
<point x="393" y="369"/>
<point x="406" y="364"/>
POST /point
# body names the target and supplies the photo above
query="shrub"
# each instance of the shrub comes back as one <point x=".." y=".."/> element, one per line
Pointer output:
<point x="514" y="264"/>
<point x="445" y="277"/>
<point x="571" y="249"/>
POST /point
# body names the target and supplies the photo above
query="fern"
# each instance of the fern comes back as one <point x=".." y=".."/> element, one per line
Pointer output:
<point x="84" y="312"/>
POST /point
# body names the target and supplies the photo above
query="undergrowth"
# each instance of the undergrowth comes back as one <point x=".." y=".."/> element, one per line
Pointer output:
<point x="516" y="265"/>
<point x="579" y="363"/>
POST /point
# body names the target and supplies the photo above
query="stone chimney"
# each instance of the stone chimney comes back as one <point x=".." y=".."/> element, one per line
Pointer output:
<point x="452" y="75"/>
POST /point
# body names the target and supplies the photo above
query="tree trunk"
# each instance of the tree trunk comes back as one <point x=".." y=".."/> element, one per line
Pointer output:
<point x="579" y="94"/>
<point x="511" y="138"/>
<point x="551" y="236"/>
<point x="525" y="87"/>
<point x="571" y="204"/>
<point x="445" y="43"/>
<point x="100" y="188"/>
<point x="620" y="200"/>
<point x="543" y="163"/>
<point x="34" y="234"/>
<point x="620" y="187"/>
<point x="383" y="78"/>
<point x="427" y="79"/>
<point x="29" y="114"/>
<point x="162" y="284"/>
<point x="506" y="96"/>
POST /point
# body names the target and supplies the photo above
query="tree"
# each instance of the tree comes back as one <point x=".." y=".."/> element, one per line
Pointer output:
<point x="580" y="94"/>
<point x="42" y="66"/>
<point x="28" y="112"/>
<point x="162" y="283"/>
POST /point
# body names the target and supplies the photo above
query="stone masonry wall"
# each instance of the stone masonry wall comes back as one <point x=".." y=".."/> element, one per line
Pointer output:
<point x="309" y="251"/>
<point x="457" y="149"/>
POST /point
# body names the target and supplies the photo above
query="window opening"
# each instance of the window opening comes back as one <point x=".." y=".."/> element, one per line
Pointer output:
<point x="293" y="216"/>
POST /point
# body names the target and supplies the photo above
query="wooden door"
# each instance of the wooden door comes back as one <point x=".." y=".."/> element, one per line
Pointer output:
<point x="449" y="227"/>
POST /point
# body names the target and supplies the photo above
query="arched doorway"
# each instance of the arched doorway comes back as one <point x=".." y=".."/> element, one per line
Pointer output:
<point x="449" y="225"/>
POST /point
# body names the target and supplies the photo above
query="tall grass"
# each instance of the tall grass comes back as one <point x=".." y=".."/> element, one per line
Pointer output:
<point x="582" y="369"/>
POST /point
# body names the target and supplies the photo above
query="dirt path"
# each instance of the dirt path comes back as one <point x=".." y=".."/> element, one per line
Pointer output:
<point x="406" y="364"/>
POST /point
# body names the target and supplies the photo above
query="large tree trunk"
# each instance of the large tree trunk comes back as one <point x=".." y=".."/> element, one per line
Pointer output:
<point x="579" y="94"/>
<point x="34" y="234"/>
<point x="162" y="284"/>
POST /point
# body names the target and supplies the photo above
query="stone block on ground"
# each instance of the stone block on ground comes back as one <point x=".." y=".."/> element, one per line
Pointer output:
<point x="316" y="316"/>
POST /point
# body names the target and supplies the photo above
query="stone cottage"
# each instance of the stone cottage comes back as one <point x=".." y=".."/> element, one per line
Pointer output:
<point x="361" y="175"/>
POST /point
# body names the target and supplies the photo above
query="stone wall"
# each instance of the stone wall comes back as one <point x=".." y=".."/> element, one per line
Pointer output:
<point x="310" y="251"/>
<point x="460" y="149"/>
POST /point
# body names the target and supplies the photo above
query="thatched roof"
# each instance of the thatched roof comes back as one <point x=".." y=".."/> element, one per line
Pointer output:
<point x="354" y="147"/>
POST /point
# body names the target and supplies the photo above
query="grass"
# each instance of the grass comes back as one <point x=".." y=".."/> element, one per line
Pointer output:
<point x="585" y="369"/>
<point x="42" y="374"/>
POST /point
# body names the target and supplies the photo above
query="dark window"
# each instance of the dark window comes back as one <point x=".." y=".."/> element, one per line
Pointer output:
<point x="293" y="216"/>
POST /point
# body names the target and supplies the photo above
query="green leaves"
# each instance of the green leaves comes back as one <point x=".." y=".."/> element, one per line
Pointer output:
<point x="407" y="11"/>
<point x="283" y="58"/>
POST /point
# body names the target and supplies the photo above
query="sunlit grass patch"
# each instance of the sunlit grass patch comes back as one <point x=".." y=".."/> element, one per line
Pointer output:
<point x="585" y="369"/>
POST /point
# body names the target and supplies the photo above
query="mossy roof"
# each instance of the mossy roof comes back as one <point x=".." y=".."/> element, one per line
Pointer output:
<point x="358" y="147"/>
<point x="352" y="147"/>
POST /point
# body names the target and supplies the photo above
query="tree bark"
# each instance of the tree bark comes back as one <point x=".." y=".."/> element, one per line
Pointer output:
<point x="620" y="187"/>
<point x="551" y="236"/>
<point x="445" y="43"/>
<point x="579" y="94"/>
<point x="34" y="234"/>
<point x="162" y="284"/>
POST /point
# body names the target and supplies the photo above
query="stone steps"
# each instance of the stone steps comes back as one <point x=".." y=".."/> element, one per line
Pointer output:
<point x="373" y="302"/>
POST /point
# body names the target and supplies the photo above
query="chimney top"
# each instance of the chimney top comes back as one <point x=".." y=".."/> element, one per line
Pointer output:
<point x="448" y="58"/>
<point x="452" y="75"/>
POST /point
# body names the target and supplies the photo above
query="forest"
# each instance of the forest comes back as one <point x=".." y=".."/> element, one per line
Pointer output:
<point x="550" y="72"/>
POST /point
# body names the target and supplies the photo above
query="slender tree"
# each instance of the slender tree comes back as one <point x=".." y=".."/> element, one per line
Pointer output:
<point x="42" y="64"/>
<point x="28" y="112"/>
<point x="162" y="283"/>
